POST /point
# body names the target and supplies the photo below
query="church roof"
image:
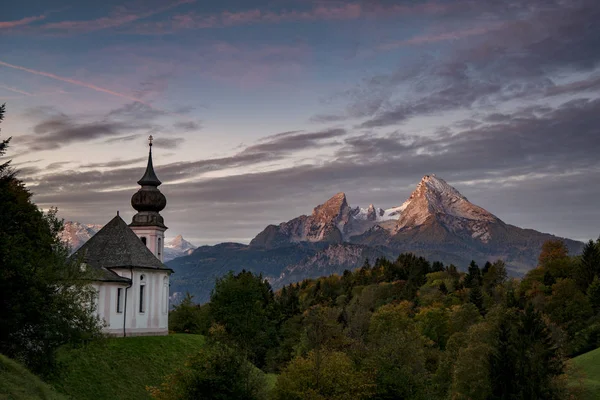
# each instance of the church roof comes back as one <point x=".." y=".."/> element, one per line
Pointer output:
<point x="117" y="246"/>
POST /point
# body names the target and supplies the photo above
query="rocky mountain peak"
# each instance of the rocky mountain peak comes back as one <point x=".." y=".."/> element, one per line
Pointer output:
<point x="179" y="243"/>
<point x="435" y="198"/>
<point x="332" y="208"/>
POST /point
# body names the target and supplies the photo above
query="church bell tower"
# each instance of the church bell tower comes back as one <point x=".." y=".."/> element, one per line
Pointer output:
<point x="148" y="201"/>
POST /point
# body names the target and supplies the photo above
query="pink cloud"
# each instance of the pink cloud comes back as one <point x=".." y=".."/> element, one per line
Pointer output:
<point x="122" y="15"/>
<point x="322" y="11"/>
<point x="440" y="37"/>
<point x="20" y="22"/>
<point x="73" y="82"/>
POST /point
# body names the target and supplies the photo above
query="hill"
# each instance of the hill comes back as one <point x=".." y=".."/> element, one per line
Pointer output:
<point x="436" y="222"/>
<point x="17" y="383"/>
<point x="590" y="365"/>
<point x="121" y="368"/>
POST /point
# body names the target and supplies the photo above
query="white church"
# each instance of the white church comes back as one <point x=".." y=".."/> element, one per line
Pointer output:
<point x="131" y="281"/>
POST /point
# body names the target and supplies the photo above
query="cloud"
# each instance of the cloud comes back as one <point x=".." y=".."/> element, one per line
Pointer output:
<point x="293" y="141"/>
<point x="321" y="11"/>
<point x="15" y="90"/>
<point x="114" y="163"/>
<point x="21" y="22"/>
<point x="120" y="16"/>
<point x="168" y="143"/>
<point x="187" y="126"/>
<point x="74" y="82"/>
<point x="516" y="56"/>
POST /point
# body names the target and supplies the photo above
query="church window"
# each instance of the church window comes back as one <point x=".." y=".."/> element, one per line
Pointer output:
<point x="119" y="300"/>
<point x="142" y="294"/>
<point x="158" y="248"/>
<point x="143" y="240"/>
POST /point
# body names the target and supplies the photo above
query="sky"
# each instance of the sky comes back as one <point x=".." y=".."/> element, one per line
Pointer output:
<point x="262" y="110"/>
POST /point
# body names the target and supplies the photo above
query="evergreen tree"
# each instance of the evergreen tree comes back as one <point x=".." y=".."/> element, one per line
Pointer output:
<point x="593" y="294"/>
<point x="473" y="277"/>
<point x="244" y="304"/>
<point x="589" y="265"/>
<point x="476" y="297"/>
<point x="41" y="294"/>
<point x="5" y="170"/>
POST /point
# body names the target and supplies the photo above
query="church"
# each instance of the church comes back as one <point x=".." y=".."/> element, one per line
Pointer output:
<point x="126" y="262"/>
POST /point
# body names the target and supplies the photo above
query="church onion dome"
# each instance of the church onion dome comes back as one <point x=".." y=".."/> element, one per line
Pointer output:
<point x="148" y="197"/>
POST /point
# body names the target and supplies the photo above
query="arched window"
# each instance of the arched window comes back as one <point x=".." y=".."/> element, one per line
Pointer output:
<point x="142" y="294"/>
<point x="143" y="240"/>
<point x="165" y="295"/>
<point x="158" y="249"/>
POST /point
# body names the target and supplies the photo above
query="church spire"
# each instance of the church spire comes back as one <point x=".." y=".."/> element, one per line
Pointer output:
<point x="149" y="178"/>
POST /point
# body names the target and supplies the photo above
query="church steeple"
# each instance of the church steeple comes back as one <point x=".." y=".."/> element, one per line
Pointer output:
<point x="148" y="201"/>
<point x="149" y="178"/>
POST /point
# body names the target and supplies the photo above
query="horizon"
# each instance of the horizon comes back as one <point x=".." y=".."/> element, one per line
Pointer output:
<point x="262" y="110"/>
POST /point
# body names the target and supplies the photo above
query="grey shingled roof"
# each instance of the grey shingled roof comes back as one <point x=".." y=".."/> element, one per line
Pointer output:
<point x="117" y="246"/>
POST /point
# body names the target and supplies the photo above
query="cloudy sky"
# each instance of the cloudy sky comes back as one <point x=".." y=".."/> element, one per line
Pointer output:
<point x="263" y="109"/>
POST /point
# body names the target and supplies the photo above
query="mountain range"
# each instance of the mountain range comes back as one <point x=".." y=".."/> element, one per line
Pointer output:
<point x="75" y="234"/>
<point x="436" y="221"/>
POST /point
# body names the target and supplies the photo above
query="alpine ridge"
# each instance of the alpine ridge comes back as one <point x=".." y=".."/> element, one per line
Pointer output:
<point x="436" y="221"/>
<point x="75" y="234"/>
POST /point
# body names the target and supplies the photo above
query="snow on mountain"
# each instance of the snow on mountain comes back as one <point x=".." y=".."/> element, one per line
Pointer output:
<point x="434" y="198"/>
<point x="177" y="247"/>
<point x="75" y="234"/>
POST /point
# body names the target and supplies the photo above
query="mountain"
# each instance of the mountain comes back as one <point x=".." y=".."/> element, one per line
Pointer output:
<point x="436" y="221"/>
<point x="75" y="234"/>
<point x="177" y="247"/>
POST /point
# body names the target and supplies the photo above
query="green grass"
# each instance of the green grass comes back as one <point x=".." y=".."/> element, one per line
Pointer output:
<point x="121" y="368"/>
<point x="17" y="383"/>
<point x="589" y="364"/>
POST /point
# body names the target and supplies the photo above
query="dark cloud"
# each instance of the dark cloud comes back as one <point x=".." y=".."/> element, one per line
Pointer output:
<point x="515" y="59"/>
<point x="187" y="126"/>
<point x="61" y="130"/>
<point x="115" y="163"/>
<point x="294" y="141"/>
<point x="327" y="118"/>
<point x="168" y="143"/>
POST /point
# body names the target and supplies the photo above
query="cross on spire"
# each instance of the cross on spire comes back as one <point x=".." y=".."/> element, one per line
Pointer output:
<point x="150" y="139"/>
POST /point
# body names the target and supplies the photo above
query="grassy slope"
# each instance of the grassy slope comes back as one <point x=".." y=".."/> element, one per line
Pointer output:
<point x="17" y="383"/>
<point x="589" y="363"/>
<point x="121" y="368"/>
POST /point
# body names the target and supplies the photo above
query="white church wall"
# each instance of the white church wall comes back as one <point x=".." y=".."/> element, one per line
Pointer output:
<point x="153" y="318"/>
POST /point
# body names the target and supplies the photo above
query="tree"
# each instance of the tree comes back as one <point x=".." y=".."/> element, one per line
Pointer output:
<point x="473" y="277"/>
<point x="41" y="294"/>
<point x="5" y="166"/>
<point x="589" y="265"/>
<point x="244" y="304"/>
<point x="526" y="360"/>
<point x="397" y="354"/>
<point x="593" y="294"/>
<point x="332" y="376"/>
<point x="552" y="250"/>
<point x="216" y="372"/>
<point x="495" y="275"/>
<point x="188" y="317"/>
<point x="476" y="297"/>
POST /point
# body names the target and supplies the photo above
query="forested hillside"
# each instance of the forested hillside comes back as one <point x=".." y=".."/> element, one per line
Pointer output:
<point x="407" y="329"/>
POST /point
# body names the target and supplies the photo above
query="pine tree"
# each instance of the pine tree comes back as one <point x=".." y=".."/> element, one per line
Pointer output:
<point x="5" y="170"/>
<point x="476" y="297"/>
<point x="473" y="277"/>
<point x="589" y="266"/>
<point x="593" y="293"/>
